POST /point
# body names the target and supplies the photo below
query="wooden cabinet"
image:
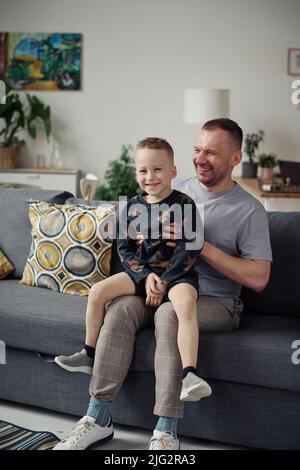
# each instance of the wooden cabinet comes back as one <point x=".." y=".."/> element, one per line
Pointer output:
<point x="272" y="201"/>
<point x="60" y="179"/>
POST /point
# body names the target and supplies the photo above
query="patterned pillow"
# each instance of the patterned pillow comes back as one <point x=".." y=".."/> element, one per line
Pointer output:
<point x="71" y="247"/>
<point x="5" y="266"/>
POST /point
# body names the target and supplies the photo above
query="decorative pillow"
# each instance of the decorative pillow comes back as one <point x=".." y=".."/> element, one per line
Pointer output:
<point x="71" y="247"/>
<point x="5" y="266"/>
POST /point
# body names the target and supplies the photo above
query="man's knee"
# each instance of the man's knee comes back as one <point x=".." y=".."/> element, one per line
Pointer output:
<point x="166" y="322"/>
<point x="124" y="311"/>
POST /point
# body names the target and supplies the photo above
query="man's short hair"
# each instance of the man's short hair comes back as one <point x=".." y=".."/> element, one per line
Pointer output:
<point x="156" y="143"/>
<point x="233" y="129"/>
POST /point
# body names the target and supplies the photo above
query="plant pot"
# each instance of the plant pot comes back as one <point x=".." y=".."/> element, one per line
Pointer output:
<point x="266" y="174"/>
<point x="9" y="157"/>
<point x="249" y="170"/>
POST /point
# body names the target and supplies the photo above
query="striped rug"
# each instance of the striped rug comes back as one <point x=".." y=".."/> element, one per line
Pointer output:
<point x="14" y="437"/>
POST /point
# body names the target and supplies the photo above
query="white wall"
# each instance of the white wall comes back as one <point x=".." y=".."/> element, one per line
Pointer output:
<point x="140" y="55"/>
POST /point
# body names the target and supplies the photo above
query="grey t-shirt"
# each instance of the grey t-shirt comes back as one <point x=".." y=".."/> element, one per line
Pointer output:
<point x="235" y="222"/>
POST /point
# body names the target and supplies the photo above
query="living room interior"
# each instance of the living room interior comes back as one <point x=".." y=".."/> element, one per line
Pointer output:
<point x="139" y="62"/>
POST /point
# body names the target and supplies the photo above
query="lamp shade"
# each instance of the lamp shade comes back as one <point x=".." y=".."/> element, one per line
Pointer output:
<point x="201" y="105"/>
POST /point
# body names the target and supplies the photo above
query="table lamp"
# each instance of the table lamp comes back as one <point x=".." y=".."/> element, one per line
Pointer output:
<point x="201" y="105"/>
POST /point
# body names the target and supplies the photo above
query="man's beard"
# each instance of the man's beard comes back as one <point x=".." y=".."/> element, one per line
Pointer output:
<point x="215" y="178"/>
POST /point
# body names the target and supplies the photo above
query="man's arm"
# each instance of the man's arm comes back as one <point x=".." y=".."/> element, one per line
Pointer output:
<point x="251" y="273"/>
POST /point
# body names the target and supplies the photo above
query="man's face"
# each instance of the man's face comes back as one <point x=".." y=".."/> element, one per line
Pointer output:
<point x="214" y="157"/>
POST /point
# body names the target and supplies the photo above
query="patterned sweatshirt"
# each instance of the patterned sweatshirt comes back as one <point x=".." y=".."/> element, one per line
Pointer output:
<point x="152" y="220"/>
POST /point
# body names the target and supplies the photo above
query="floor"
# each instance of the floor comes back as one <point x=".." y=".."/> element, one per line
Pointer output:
<point x="126" y="438"/>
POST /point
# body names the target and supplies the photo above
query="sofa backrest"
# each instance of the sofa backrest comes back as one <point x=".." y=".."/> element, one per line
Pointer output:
<point x="15" y="226"/>
<point x="282" y="295"/>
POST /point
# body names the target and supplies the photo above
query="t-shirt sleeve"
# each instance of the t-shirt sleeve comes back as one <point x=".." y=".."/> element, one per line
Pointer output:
<point x="254" y="237"/>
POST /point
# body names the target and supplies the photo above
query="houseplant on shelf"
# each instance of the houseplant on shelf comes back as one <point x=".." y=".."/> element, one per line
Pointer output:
<point x="16" y="116"/>
<point x="251" y="144"/>
<point x="120" y="178"/>
<point x="267" y="161"/>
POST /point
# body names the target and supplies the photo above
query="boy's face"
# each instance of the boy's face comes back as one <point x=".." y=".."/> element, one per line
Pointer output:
<point x="154" y="172"/>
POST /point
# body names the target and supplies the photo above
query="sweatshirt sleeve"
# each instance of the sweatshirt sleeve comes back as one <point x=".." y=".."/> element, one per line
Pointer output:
<point x="189" y="244"/>
<point x="127" y="248"/>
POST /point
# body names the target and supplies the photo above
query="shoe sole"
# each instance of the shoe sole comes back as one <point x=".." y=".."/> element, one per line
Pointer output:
<point x="84" y="369"/>
<point x="94" y="444"/>
<point x="101" y="441"/>
<point x="178" y="448"/>
<point x="195" y="393"/>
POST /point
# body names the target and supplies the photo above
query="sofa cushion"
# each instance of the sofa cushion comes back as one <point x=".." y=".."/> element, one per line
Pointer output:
<point x="15" y="227"/>
<point x="71" y="248"/>
<point x="38" y="319"/>
<point x="5" y="266"/>
<point x="260" y="353"/>
<point x="282" y="293"/>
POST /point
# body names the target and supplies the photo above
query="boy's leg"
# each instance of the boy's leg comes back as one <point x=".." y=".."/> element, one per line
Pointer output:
<point x="184" y="297"/>
<point x="109" y="289"/>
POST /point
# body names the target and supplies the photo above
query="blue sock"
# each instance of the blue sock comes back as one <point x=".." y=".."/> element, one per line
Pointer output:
<point x="167" y="424"/>
<point x="100" y="410"/>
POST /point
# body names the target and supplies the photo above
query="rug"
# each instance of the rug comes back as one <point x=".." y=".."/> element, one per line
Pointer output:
<point x="14" y="437"/>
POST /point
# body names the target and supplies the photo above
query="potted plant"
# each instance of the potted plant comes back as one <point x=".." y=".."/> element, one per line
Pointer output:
<point x="251" y="144"/>
<point x="267" y="162"/>
<point x="19" y="115"/>
<point x="120" y="178"/>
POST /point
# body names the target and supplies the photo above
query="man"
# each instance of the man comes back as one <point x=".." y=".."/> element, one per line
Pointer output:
<point x="236" y="252"/>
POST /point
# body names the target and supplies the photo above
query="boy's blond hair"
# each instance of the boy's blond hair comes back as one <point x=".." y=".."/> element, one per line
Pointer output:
<point x="156" y="143"/>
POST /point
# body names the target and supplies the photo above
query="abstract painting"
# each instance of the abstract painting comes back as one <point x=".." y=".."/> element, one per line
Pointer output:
<point x="44" y="61"/>
<point x="2" y="55"/>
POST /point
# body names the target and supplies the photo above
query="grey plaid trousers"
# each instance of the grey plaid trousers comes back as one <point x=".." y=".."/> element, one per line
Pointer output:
<point x="124" y="317"/>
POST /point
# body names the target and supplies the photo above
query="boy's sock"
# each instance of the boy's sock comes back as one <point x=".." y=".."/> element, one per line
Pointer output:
<point x="90" y="351"/>
<point x="186" y="370"/>
<point x="100" y="410"/>
<point x="167" y="424"/>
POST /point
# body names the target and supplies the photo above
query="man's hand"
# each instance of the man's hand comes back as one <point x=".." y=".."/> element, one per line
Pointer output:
<point x="155" y="290"/>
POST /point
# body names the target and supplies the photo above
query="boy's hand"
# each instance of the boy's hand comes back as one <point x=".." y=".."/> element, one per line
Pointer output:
<point x="153" y="300"/>
<point x="155" y="289"/>
<point x="154" y="285"/>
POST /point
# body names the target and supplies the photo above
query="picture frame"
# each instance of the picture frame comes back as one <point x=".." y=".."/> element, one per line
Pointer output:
<point x="294" y="61"/>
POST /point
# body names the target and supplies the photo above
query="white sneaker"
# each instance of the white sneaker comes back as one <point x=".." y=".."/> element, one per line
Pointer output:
<point x="86" y="434"/>
<point x="194" y="388"/>
<point x="163" y="441"/>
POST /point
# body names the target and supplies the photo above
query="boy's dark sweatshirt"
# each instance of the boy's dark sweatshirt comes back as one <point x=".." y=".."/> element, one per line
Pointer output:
<point x="153" y="254"/>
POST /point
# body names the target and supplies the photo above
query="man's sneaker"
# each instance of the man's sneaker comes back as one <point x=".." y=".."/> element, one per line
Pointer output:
<point x="78" y="362"/>
<point x="163" y="441"/>
<point x="194" y="388"/>
<point x="86" y="434"/>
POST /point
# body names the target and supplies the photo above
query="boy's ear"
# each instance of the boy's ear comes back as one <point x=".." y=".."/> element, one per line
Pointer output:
<point x="174" y="171"/>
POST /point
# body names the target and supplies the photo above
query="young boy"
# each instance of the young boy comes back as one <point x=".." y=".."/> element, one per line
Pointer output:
<point x="153" y="269"/>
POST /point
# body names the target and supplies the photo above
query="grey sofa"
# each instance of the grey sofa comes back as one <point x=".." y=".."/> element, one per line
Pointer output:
<point x="256" y="386"/>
